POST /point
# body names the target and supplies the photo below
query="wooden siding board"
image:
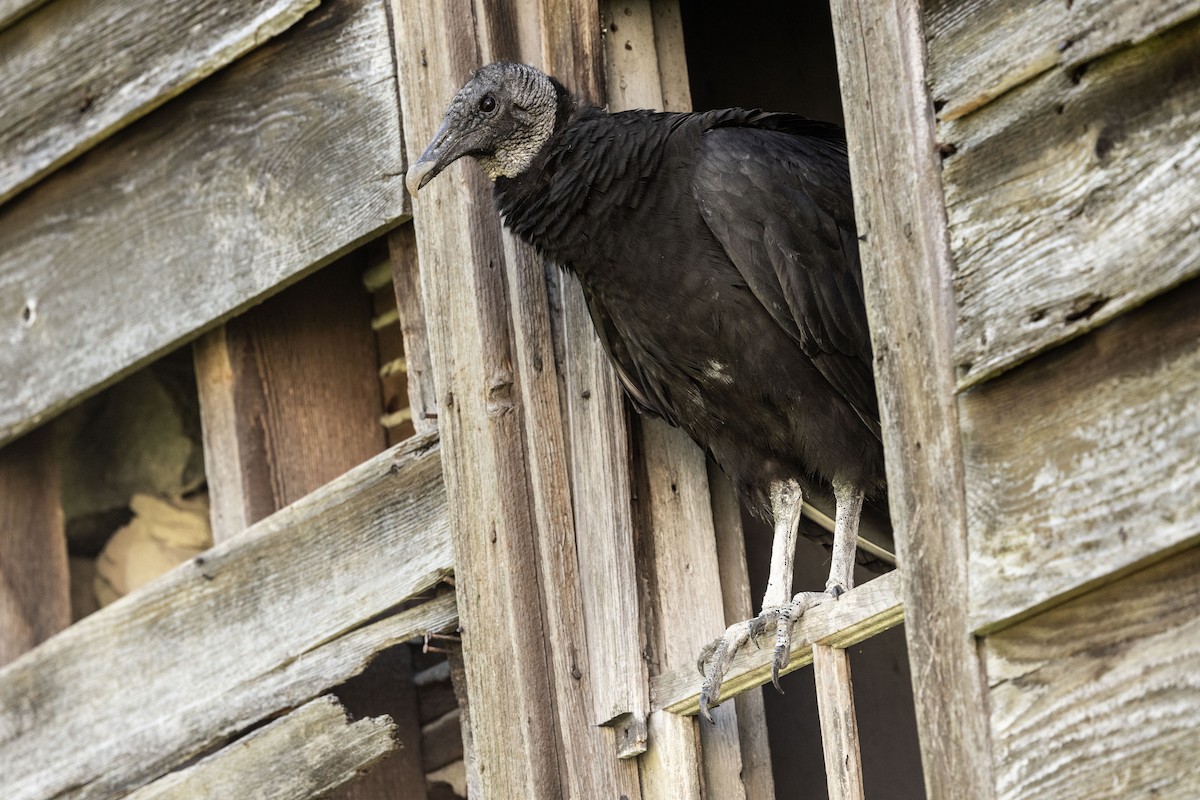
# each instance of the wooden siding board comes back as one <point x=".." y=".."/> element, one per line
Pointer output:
<point x="267" y="170"/>
<point x="524" y="644"/>
<point x="35" y="586"/>
<point x="856" y="616"/>
<point x="979" y="49"/>
<point x="144" y="684"/>
<point x="307" y="753"/>
<point x="907" y="273"/>
<point x="1102" y="470"/>
<point x="1100" y="697"/>
<point x="13" y="10"/>
<point x="1072" y="199"/>
<point x="77" y="71"/>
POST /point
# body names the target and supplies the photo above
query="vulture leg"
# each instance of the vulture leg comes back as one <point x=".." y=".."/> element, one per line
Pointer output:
<point x="786" y="503"/>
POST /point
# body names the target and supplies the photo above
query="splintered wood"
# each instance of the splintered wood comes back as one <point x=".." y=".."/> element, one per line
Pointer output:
<point x="372" y="539"/>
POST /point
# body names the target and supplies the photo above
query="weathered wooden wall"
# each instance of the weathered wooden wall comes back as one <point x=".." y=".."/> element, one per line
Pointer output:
<point x="1070" y="154"/>
<point x="274" y="166"/>
<point x="255" y="626"/>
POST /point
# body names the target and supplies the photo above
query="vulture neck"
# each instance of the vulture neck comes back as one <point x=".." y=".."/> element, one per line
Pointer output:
<point x="584" y="183"/>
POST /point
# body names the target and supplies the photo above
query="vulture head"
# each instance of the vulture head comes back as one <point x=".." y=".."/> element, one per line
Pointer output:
<point x="502" y="117"/>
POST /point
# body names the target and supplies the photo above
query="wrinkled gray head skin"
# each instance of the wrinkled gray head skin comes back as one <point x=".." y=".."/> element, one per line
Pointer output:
<point x="501" y="118"/>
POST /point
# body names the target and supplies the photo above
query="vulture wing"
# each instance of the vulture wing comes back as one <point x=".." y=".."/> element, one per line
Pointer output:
<point x="764" y="190"/>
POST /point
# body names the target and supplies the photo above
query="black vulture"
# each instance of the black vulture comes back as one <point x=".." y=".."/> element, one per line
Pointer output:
<point x="718" y="256"/>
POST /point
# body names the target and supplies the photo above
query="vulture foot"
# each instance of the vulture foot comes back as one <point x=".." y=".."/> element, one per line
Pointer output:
<point x="715" y="659"/>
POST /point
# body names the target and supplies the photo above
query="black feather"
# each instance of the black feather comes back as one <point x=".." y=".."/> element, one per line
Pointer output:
<point x="718" y="255"/>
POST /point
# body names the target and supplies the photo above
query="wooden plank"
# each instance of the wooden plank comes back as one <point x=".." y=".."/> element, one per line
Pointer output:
<point x="1099" y="697"/>
<point x="907" y="273"/>
<point x="1096" y="216"/>
<point x="839" y="725"/>
<point x="523" y="645"/>
<point x="599" y="443"/>
<point x="386" y="689"/>
<point x="1101" y="473"/>
<point x="646" y="68"/>
<point x="35" y="587"/>
<point x="184" y="636"/>
<point x="13" y="10"/>
<point x="738" y="601"/>
<point x="980" y="49"/>
<point x="268" y="170"/>
<point x="406" y="282"/>
<point x="856" y="616"/>
<point x="307" y="753"/>
<point x="303" y="390"/>
<point x="290" y="396"/>
<point x="77" y="71"/>
<point x="684" y="611"/>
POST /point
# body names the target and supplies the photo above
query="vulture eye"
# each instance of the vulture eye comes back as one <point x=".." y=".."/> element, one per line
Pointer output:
<point x="487" y="104"/>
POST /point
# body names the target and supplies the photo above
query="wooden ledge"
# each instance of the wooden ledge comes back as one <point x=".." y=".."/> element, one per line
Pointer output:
<point x="858" y="615"/>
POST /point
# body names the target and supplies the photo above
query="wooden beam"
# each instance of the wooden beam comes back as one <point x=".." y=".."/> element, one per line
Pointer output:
<point x="307" y="753"/>
<point x="647" y="69"/>
<point x="217" y="169"/>
<point x="406" y="282"/>
<point x="145" y="684"/>
<point x="737" y="598"/>
<point x="305" y="400"/>
<point x="863" y="612"/>
<point x="907" y="273"/>
<point x="1064" y="215"/>
<point x="839" y="725"/>
<point x="1098" y="697"/>
<point x="77" y="71"/>
<point x="288" y="394"/>
<point x="35" y="587"/>
<point x="524" y="642"/>
<point x="13" y="10"/>
<point x="1101" y="475"/>
<point x="980" y="49"/>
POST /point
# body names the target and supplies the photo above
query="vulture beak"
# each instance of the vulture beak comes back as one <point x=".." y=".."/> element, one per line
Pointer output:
<point x="447" y="147"/>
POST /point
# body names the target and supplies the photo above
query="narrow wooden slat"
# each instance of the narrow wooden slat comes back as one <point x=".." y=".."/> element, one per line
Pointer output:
<point x="839" y="725"/>
<point x="229" y="506"/>
<point x="406" y="280"/>
<point x="861" y="613"/>
<point x="79" y="70"/>
<point x="1101" y="473"/>
<point x="296" y="393"/>
<point x="980" y="49"/>
<point x="307" y="753"/>
<point x="511" y="668"/>
<point x="1099" y="214"/>
<point x="524" y="637"/>
<point x="146" y="683"/>
<point x="907" y="270"/>
<point x="737" y="596"/>
<point x="683" y="608"/>
<point x="646" y="67"/>
<point x="13" y="10"/>
<point x="270" y="168"/>
<point x="1100" y="697"/>
<point x="599" y="441"/>
<point x="35" y="587"/>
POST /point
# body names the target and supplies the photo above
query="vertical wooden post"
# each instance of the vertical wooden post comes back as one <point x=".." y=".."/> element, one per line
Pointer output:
<point x="648" y="69"/>
<point x="504" y="454"/>
<point x="907" y="270"/>
<point x="737" y="596"/>
<point x="289" y="400"/>
<point x="839" y="726"/>
<point x="35" y="597"/>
